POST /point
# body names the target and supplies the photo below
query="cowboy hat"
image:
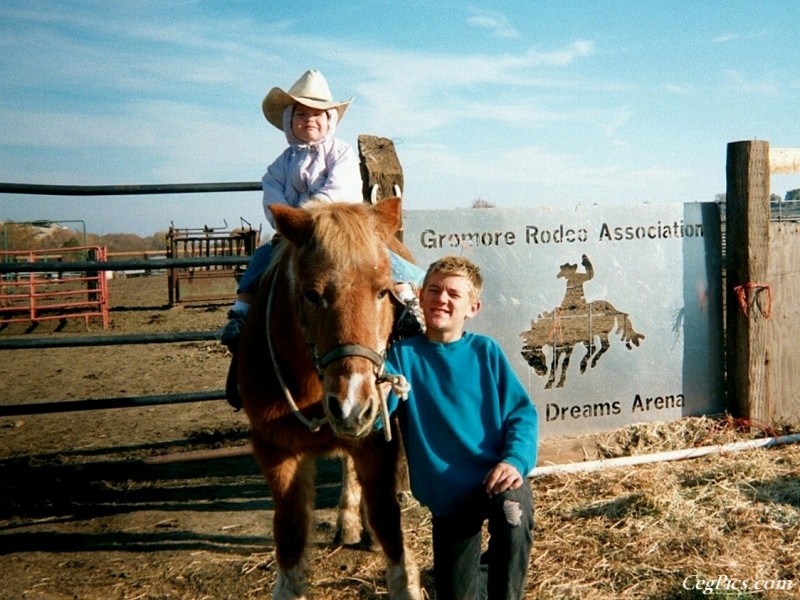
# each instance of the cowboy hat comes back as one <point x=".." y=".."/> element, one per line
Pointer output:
<point x="310" y="90"/>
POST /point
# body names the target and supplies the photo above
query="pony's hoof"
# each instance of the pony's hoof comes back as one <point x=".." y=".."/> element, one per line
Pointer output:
<point x="290" y="585"/>
<point x="402" y="580"/>
<point x="347" y="537"/>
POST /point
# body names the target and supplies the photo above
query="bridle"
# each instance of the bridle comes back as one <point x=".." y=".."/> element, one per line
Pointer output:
<point x="398" y="382"/>
<point x="344" y="350"/>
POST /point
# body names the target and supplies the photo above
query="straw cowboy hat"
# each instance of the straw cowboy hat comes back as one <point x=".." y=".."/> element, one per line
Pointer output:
<point x="310" y="90"/>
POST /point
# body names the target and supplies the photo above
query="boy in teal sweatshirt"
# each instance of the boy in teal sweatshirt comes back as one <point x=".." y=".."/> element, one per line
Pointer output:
<point x="471" y="437"/>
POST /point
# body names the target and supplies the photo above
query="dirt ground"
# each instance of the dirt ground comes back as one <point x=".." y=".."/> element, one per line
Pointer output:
<point x="127" y="504"/>
<point x="120" y="503"/>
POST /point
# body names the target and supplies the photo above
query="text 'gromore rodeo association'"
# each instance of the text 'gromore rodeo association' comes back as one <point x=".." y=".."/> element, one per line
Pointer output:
<point x="561" y="234"/>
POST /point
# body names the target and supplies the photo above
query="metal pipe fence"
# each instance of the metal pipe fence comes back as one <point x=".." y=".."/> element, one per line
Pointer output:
<point x="93" y="266"/>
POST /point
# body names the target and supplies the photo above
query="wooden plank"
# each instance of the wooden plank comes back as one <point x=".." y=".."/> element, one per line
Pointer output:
<point x="784" y="160"/>
<point x="784" y="330"/>
<point x="747" y="251"/>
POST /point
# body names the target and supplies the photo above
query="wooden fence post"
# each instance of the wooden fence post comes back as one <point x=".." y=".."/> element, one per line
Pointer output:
<point x="747" y="252"/>
<point x="381" y="170"/>
<point x="379" y="166"/>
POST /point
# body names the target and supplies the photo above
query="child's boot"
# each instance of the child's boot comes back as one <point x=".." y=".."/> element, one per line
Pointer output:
<point x="229" y="336"/>
<point x="232" y="330"/>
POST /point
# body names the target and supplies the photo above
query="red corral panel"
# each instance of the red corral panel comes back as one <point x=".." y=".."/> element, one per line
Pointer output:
<point x="33" y="297"/>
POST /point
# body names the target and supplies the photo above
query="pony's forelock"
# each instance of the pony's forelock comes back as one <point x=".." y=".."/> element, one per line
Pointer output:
<point x="345" y="240"/>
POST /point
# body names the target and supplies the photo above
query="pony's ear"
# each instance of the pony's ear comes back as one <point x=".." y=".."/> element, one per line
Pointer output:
<point x="389" y="211"/>
<point x="294" y="224"/>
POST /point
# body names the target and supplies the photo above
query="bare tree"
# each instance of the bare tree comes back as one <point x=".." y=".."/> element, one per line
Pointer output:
<point x="481" y="203"/>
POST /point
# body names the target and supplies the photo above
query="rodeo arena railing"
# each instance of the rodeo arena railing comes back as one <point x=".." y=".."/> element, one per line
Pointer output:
<point x="72" y="282"/>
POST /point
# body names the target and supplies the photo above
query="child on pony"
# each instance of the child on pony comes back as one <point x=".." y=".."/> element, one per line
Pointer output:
<point x="315" y="166"/>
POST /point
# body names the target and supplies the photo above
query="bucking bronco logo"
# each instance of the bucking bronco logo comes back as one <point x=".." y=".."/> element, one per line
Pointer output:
<point x="575" y="322"/>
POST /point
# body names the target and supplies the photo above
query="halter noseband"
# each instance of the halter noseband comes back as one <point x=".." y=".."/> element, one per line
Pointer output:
<point x="343" y="351"/>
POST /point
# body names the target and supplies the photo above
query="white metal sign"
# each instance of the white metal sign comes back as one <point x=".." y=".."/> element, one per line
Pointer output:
<point x="610" y="315"/>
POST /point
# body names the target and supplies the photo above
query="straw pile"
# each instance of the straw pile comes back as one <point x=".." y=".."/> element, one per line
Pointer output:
<point x="639" y="532"/>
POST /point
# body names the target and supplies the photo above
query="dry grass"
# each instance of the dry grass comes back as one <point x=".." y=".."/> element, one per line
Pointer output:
<point x="639" y="532"/>
<point x="624" y="533"/>
<point x="686" y="433"/>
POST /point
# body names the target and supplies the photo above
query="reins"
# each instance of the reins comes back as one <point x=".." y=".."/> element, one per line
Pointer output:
<point x="398" y="383"/>
<point x="313" y="424"/>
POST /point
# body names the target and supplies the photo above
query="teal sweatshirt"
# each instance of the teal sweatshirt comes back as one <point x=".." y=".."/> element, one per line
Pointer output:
<point x="466" y="412"/>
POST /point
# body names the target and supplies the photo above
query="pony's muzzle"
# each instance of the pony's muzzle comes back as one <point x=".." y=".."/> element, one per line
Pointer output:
<point x="351" y="399"/>
<point x="348" y="417"/>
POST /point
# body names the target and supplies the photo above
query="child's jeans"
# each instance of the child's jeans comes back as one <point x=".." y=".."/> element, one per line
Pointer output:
<point x="258" y="265"/>
<point x="461" y="572"/>
<point x="402" y="270"/>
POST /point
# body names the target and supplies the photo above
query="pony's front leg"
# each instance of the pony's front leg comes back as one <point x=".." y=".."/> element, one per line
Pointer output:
<point x="376" y="462"/>
<point x="291" y="481"/>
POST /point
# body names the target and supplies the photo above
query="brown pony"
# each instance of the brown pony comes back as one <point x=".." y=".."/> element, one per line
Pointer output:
<point x="310" y="368"/>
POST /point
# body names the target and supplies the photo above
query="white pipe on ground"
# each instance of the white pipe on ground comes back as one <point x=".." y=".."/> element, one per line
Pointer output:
<point x="626" y="461"/>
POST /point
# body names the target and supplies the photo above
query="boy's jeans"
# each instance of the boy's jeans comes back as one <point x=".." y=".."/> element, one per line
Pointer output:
<point x="461" y="572"/>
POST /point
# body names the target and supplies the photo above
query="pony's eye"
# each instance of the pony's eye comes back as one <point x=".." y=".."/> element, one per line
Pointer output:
<point x="312" y="297"/>
<point x="382" y="294"/>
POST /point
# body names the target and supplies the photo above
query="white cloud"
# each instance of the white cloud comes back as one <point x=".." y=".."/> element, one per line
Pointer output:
<point x="734" y="37"/>
<point x="724" y="37"/>
<point x="678" y="88"/>
<point x="198" y="144"/>
<point x="739" y="83"/>
<point x="415" y="91"/>
<point x="532" y="175"/>
<point x="63" y="130"/>
<point x="495" y="23"/>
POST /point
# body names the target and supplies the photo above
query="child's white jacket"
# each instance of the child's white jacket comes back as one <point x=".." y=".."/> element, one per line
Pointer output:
<point x="327" y="170"/>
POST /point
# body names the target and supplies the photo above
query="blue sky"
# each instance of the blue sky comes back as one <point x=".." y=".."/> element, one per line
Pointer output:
<point x="519" y="103"/>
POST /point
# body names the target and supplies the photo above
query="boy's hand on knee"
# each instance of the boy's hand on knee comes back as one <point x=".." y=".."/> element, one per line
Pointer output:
<point x="501" y="478"/>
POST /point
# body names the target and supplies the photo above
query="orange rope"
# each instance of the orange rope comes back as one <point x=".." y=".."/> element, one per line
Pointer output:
<point x="744" y="304"/>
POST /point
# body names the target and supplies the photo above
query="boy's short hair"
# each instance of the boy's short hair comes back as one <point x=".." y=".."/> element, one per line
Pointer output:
<point x="458" y="265"/>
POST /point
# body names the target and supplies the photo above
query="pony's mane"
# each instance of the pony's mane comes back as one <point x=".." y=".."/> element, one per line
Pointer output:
<point x="346" y="233"/>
